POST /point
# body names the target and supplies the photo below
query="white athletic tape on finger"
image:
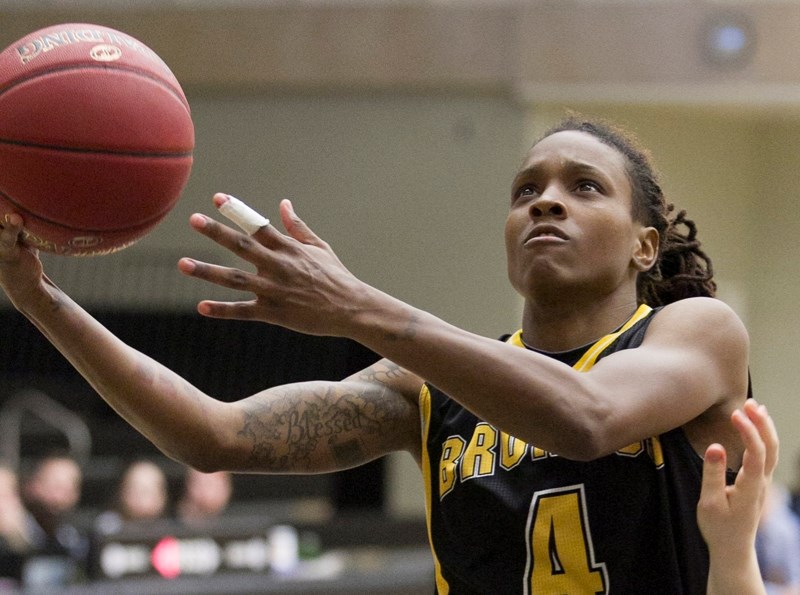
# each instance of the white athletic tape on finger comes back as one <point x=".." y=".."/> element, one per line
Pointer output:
<point x="242" y="215"/>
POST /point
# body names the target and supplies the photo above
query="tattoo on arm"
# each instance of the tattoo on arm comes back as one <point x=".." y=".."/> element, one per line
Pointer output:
<point x="264" y="436"/>
<point x="347" y="454"/>
<point x="409" y="332"/>
<point x="296" y="427"/>
<point x="382" y="372"/>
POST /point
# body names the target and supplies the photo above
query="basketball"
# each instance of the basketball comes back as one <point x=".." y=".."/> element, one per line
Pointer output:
<point x="96" y="138"/>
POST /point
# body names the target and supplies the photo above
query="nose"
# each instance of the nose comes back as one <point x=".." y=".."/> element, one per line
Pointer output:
<point x="549" y="203"/>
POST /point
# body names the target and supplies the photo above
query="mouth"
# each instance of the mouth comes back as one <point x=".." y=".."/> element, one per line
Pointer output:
<point x="545" y="234"/>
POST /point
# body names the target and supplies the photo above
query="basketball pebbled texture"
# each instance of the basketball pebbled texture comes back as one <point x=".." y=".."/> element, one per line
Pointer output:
<point x="96" y="138"/>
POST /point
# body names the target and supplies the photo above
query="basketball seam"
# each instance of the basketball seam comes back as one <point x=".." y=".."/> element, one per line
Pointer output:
<point x="78" y="229"/>
<point x="120" y="67"/>
<point x="158" y="155"/>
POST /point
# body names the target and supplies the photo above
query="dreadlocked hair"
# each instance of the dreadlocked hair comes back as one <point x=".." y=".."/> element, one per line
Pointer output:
<point x="682" y="269"/>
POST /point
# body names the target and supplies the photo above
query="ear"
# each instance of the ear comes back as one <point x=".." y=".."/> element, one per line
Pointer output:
<point x="645" y="250"/>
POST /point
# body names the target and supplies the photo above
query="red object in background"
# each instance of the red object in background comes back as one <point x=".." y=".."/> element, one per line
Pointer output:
<point x="166" y="558"/>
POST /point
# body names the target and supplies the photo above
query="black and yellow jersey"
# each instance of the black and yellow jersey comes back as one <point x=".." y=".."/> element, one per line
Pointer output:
<point x="507" y="517"/>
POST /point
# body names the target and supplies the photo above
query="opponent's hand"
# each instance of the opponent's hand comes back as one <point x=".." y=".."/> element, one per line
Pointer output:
<point x="20" y="267"/>
<point x="298" y="283"/>
<point x="728" y="515"/>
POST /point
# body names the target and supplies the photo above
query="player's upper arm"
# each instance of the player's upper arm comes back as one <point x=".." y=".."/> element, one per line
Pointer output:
<point x="694" y="357"/>
<point x="399" y="391"/>
<point x="316" y="427"/>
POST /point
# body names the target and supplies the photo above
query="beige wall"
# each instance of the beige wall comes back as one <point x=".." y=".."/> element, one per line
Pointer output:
<point x="774" y="281"/>
<point x="411" y="191"/>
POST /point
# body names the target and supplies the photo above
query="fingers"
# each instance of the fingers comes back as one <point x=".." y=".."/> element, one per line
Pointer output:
<point x="761" y="449"/>
<point x="751" y="474"/>
<point x="296" y="227"/>
<point x="755" y="447"/>
<point x="768" y="434"/>
<point x="250" y="246"/>
<point x="10" y="230"/>
<point x="229" y="310"/>
<point x="295" y="268"/>
<point x="714" y="469"/>
<point x="233" y="279"/>
<point x="11" y="219"/>
<point x="219" y="275"/>
<point x="245" y="246"/>
<point x="741" y="503"/>
<point x="11" y="224"/>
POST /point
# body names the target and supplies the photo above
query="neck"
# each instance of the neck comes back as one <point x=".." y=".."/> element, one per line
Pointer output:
<point x="564" y="326"/>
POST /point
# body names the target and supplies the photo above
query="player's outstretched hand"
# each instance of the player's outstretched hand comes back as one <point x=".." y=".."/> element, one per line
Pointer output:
<point x="20" y="268"/>
<point x="298" y="281"/>
<point x="728" y="515"/>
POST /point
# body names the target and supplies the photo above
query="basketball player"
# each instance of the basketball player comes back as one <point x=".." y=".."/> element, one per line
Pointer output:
<point x="566" y="458"/>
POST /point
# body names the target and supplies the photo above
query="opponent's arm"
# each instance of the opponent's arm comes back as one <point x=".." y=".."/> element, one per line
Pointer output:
<point x="728" y="515"/>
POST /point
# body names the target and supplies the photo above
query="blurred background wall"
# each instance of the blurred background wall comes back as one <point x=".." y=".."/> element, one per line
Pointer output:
<point x="396" y="127"/>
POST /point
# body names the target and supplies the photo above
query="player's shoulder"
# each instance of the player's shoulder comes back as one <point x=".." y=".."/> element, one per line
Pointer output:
<point x="700" y="307"/>
<point x="704" y="316"/>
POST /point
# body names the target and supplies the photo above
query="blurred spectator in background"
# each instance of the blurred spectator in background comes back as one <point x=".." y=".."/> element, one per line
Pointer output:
<point x="778" y="543"/>
<point x="794" y="495"/>
<point x="51" y="493"/>
<point x="205" y="496"/>
<point x="142" y="496"/>
<point x="15" y="539"/>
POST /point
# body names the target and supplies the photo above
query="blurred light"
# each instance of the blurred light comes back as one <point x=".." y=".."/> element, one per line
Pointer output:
<point x="284" y="542"/>
<point x="728" y="40"/>
<point x="166" y="557"/>
<point x="172" y="557"/>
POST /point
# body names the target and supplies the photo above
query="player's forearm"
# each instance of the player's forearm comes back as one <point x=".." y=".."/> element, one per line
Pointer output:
<point x="499" y="383"/>
<point x="310" y="427"/>
<point x="165" y="408"/>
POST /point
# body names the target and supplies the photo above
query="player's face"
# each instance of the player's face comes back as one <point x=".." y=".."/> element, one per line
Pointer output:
<point x="570" y="227"/>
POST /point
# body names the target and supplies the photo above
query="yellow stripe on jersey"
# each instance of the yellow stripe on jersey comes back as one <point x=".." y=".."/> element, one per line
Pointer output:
<point x="590" y="355"/>
<point x="442" y="588"/>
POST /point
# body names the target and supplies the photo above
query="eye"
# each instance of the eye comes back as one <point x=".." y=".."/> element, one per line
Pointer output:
<point x="588" y="186"/>
<point x="524" y="191"/>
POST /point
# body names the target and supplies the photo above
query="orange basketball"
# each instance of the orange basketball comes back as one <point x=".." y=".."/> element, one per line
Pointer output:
<point x="96" y="138"/>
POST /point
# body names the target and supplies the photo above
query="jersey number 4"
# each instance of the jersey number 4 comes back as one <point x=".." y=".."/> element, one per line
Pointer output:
<point x="560" y="550"/>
